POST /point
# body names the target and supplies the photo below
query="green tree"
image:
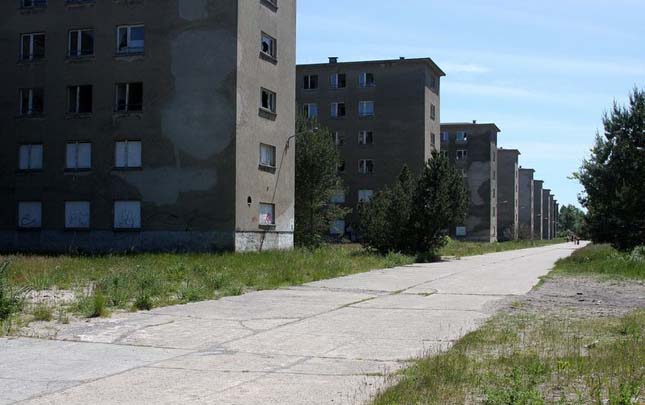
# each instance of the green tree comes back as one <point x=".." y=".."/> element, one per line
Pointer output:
<point x="571" y="220"/>
<point x="613" y="177"/>
<point x="317" y="181"/>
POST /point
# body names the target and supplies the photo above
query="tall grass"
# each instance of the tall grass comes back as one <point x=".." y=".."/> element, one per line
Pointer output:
<point x="605" y="261"/>
<point x="461" y="249"/>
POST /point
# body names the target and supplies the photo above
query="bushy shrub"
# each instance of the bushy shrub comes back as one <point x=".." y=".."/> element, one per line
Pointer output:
<point x="11" y="299"/>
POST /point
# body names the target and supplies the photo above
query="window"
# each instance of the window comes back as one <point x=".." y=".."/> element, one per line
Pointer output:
<point x="77" y="215"/>
<point x="30" y="214"/>
<point x="464" y="173"/>
<point x="337" y="228"/>
<point x="79" y="156"/>
<point x="338" y="110"/>
<point x="433" y="112"/>
<point x="444" y="153"/>
<point x="310" y="82"/>
<point x="310" y="110"/>
<point x="339" y="139"/>
<point x="462" y="137"/>
<point x="127" y="215"/>
<point x="366" y="108"/>
<point x="366" y="166"/>
<point x="31" y="101"/>
<point x="494" y="193"/>
<point x="460" y="231"/>
<point x="79" y="99"/>
<point x="130" y="39"/>
<point x="30" y="157"/>
<point x="433" y="82"/>
<point x="338" y="198"/>
<point x="444" y="137"/>
<point x="494" y="175"/>
<point x="494" y="211"/>
<point x="80" y="43"/>
<point x="494" y="156"/>
<point x="267" y="214"/>
<point x="365" y="196"/>
<point x="268" y="101"/>
<point x="267" y="155"/>
<point x="462" y="154"/>
<point x="338" y="81"/>
<point x="271" y="3"/>
<point x="129" y="97"/>
<point x="127" y="154"/>
<point x="433" y="139"/>
<point x="268" y="46"/>
<point x="32" y="46"/>
<point x="33" y="3"/>
<point x="366" y="80"/>
<point x="341" y="166"/>
<point x="366" y="138"/>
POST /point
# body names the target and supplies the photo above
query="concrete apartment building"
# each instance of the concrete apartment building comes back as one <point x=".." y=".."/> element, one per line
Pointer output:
<point x="146" y="125"/>
<point x="527" y="206"/>
<point x="473" y="149"/>
<point x="547" y="207"/>
<point x="384" y="115"/>
<point x="556" y="218"/>
<point x="538" y="191"/>
<point x="508" y="190"/>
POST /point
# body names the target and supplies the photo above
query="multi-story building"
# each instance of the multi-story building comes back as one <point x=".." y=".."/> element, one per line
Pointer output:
<point x="147" y="125"/>
<point x="556" y="218"/>
<point x="383" y="115"/>
<point x="473" y="149"/>
<point x="508" y="189"/>
<point x="546" y="214"/>
<point x="527" y="206"/>
<point x="538" y="191"/>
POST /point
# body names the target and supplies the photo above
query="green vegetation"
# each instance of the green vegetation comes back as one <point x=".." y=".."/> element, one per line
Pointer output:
<point x="613" y="177"/>
<point x="11" y="298"/>
<point x="537" y="357"/>
<point x="571" y="221"/>
<point x="533" y="359"/>
<point x="462" y="249"/>
<point x="43" y="313"/>
<point x="411" y="215"/>
<point x="606" y="261"/>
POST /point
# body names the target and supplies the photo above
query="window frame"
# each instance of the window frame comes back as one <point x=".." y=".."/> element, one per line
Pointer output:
<point x="263" y="224"/>
<point x="127" y="106"/>
<point x="129" y="50"/>
<point x="273" y="149"/>
<point x="88" y="204"/>
<point x="273" y="51"/>
<point x="137" y="226"/>
<point x="77" y="154"/>
<point x="363" y="83"/>
<point x="39" y="221"/>
<point x="363" y="137"/>
<point x="363" y="166"/>
<point x="30" y="103"/>
<point x="362" y="110"/>
<point x="127" y="154"/>
<point x="31" y="55"/>
<point x="272" y="101"/>
<point x="79" y="43"/>
<point x="463" y="153"/>
<point x="30" y="148"/>
<point x="334" y="81"/>
<point x="306" y="85"/>
<point x="308" y="112"/>
<point x="336" y="109"/>
<point x="77" y="107"/>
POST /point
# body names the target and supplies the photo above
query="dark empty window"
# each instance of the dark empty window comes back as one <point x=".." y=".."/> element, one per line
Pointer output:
<point x="433" y="112"/>
<point x="32" y="46"/>
<point x="130" y="39"/>
<point x="338" y="110"/>
<point x="79" y="99"/>
<point x="366" y="80"/>
<point x="81" y="43"/>
<point x="310" y="82"/>
<point x="269" y="46"/>
<point x="268" y="100"/>
<point x="338" y="81"/>
<point x="129" y="97"/>
<point x="31" y="101"/>
<point x="33" y="3"/>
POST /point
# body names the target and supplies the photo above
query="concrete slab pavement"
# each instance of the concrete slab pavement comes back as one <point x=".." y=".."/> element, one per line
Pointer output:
<point x="333" y="341"/>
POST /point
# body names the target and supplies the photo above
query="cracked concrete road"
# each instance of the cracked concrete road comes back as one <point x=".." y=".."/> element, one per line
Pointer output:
<point x="328" y="342"/>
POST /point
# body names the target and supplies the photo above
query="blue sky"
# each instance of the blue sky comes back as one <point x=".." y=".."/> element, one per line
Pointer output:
<point x="544" y="71"/>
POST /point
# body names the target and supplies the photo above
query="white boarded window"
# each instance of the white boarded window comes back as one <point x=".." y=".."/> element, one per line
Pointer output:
<point x="366" y="108"/>
<point x="30" y="157"/>
<point x="128" y="154"/>
<point x="77" y="215"/>
<point x="30" y="214"/>
<point x="127" y="214"/>
<point x="365" y="196"/>
<point x="337" y="228"/>
<point x="460" y="231"/>
<point x="267" y="155"/>
<point x="267" y="214"/>
<point x="79" y="156"/>
<point x="310" y="110"/>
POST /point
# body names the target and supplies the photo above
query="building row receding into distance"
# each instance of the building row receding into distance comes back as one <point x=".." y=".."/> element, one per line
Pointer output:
<point x="168" y="125"/>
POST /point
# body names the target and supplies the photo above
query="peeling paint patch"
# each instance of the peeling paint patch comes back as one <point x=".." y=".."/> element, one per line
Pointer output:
<point x="199" y="118"/>
<point x="193" y="10"/>
<point x="163" y="186"/>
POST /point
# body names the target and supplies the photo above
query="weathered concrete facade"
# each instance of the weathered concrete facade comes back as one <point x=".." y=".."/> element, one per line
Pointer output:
<point x="383" y="112"/>
<point x="555" y="219"/>
<point x="508" y="189"/>
<point x="538" y="191"/>
<point x="193" y="107"/>
<point x="473" y="149"/>
<point x="527" y="206"/>
<point x="547" y="207"/>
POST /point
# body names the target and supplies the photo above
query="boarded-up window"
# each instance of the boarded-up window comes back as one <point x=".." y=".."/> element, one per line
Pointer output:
<point x="267" y="214"/>
<point x="128" y="154"/>
<point x="77" y="215"/>
<point x="79" y="156"/>
<point x="460" y="231"/>
<point x="365" y="196"/>
<point x="31" y="157"/>
<point x="30" y="214"/>
<point x="127" y="214"/>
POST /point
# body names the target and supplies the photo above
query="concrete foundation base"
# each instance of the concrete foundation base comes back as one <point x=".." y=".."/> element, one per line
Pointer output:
<point x="260" y="241"/>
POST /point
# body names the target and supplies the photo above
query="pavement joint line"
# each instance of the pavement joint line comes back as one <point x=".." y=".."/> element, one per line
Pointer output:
<point x="127" y="334"/>
<point x="277" y="370"/>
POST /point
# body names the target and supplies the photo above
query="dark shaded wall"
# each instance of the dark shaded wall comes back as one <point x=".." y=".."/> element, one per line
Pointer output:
<point x="526" y="206"/>
<point x="508" y="194"/>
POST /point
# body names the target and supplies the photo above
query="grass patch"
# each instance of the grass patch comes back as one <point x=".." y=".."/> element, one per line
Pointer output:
<point x="43" y="313"/>
<point x="145" y="281"/>
<point x="605" y="261"/>
<point x="522" y="359"/>
<point x="462" y="249"/>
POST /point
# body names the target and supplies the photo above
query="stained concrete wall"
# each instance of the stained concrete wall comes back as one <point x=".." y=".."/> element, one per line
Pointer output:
<point x="403" y="96"/>
<point x="539" y="209"/>
<point x="481" y="173"/>
<point x="188" y="127"/>
<point x="508" y="194"/>
<point x="526" y="205"/>
<point x="546" y="214"/>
